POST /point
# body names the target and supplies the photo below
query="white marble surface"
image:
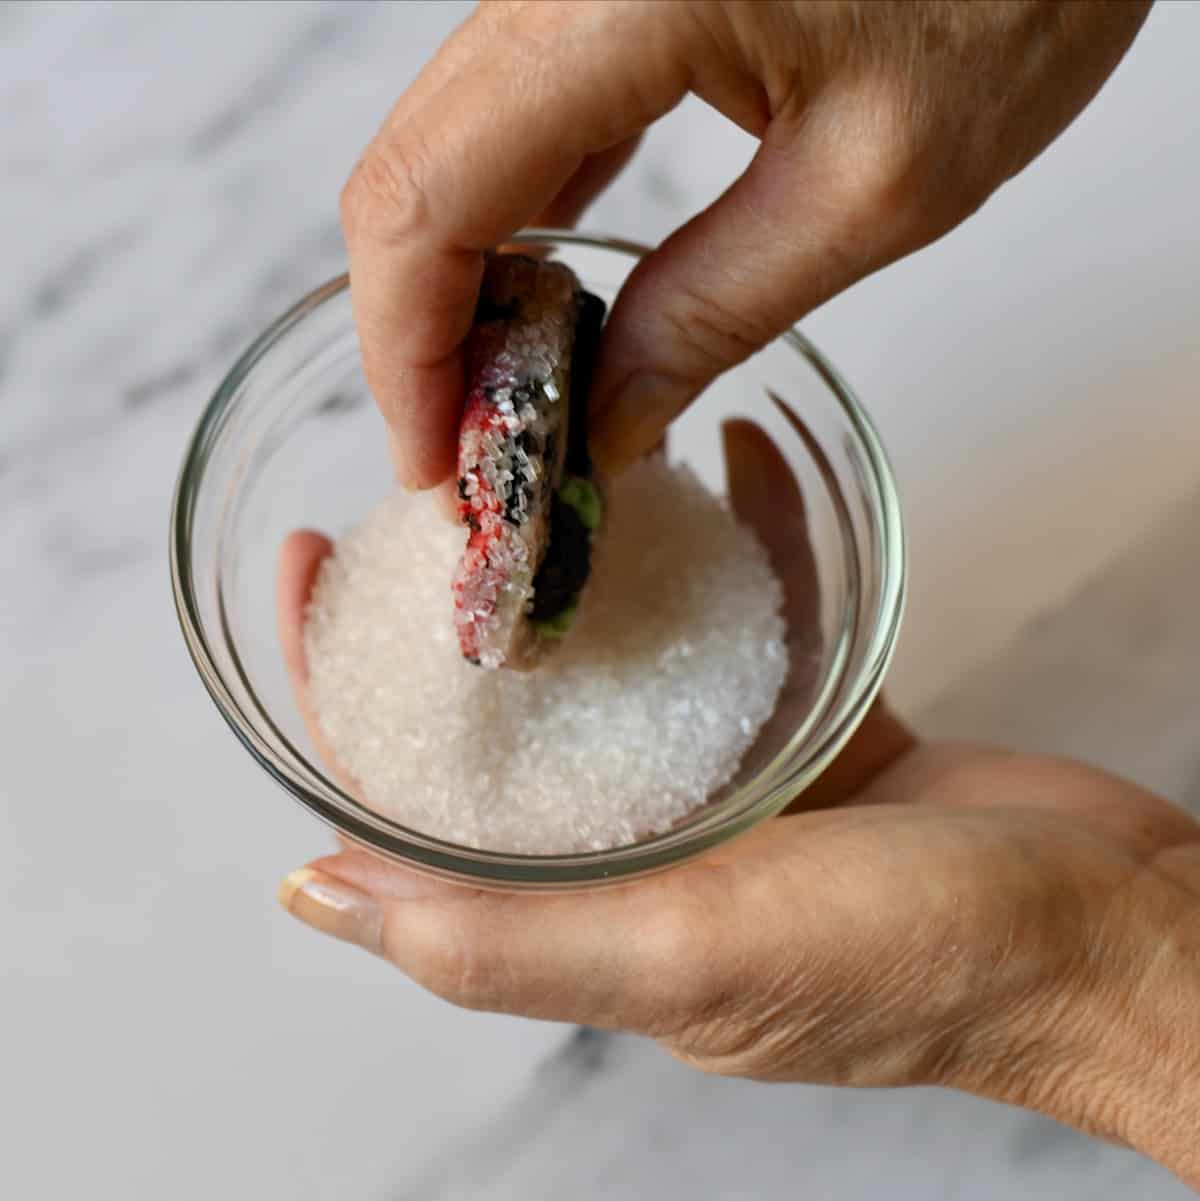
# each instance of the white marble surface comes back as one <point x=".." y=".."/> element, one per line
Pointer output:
<point x="170" y="174"/>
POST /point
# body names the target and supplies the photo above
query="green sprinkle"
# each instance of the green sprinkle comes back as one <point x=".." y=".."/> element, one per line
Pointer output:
<point x="558" y="625"/>
<point x="584" y="497"/>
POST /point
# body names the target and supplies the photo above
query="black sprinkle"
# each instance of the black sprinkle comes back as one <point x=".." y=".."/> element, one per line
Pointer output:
<point x="583" y="362"/>
<point x="564" y="570"/>
<point x="488" y="309"/>
<point x="513" y="513"/>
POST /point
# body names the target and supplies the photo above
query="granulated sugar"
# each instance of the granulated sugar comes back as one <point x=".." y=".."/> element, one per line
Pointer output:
<point x="674" y="664"/>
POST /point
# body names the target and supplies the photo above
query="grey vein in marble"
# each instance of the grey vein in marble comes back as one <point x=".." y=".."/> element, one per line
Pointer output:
<point x="272" y="87"/>
<point x="1111" y="673"/>
<point x="74" y="275"/>
<point x="471" y="1164"/>
<point x="171" y="174"/>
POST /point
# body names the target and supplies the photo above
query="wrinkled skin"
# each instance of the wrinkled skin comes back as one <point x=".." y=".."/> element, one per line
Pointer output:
<point x="1024" y="928"/>
<point x="881" y="127"/>
<point x="1021" y="927"/>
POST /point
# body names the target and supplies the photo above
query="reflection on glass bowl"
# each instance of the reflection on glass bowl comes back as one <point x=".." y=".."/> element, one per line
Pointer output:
<point x="291" y="440"/>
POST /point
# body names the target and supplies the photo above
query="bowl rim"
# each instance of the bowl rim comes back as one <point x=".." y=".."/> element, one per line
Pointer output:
<point x="506" y="870"/>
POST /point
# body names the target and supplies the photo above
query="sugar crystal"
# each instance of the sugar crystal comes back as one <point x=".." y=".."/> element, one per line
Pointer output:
<point x="673" y="665"/>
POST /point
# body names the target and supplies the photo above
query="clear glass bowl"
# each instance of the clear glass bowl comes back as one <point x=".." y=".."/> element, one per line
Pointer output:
<point x="292" y="439"/>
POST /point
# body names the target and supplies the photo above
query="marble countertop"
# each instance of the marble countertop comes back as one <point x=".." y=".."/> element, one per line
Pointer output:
<point x="170" y="176"/>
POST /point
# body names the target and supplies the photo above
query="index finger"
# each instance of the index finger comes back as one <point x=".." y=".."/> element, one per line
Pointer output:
<point x="766" y="495"/>
<point x="461" y="165"/>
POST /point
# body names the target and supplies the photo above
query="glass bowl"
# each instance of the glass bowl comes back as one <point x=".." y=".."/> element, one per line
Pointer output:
<point x="292" y="439"/>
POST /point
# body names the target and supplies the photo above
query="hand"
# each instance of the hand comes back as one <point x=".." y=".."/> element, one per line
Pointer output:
<point x="1019" y="927"/>
<point x="882" y="126"/>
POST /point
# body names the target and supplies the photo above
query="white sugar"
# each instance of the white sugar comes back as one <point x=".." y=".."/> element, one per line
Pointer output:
<point x="671" y="669"/>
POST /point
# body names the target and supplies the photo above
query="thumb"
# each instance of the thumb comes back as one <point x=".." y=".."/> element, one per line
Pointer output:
<point x="636" y="957"/>
<point x="802" y="223"/>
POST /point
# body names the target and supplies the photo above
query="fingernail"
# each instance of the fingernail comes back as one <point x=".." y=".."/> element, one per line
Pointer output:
<point x="634" y="419"/>
<point x="400" y="466"/>
<point x="334" y="908"/>
<point x="445" y="499"/>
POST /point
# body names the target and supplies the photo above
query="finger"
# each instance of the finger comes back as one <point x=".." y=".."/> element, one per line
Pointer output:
<point x="796" y="228"/>
<point x="966" y="777"/>
<point x="629" y="957"/>
<point x="594" y="175"/>
<point x="883" y="737"/>
<point x="445" y="499"/>
<point x="765" y="494"/>
<point x="300" y="560"/>
<point x="444" y="494"/>
<point x="879" y="742"/>
<point x="488" y="150"/>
